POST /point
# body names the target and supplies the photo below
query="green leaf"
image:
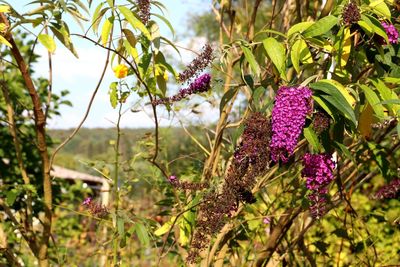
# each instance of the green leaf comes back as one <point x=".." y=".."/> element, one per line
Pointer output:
<point x="324" y="105"/>
<point x="345" y="151"/>
<point x="380" y="8"/>
<point x="374" y="100"/>
<point x="236" y="134"/>
<point x="349" y="98"/>
<point x="300" y="52"/>
<point x="133" y="21"/>
<point x="386" y="94"/>
<point x="375" y="26"/>
<point x="11" y="196"/>
<point x="252" y="60"/>
<point x="120" y="226"/>
<point x="162" y="85"/>
<point x="61" y="32"/>
<point x="336" y="98"/>
<point x="257" y="95"/>
<point x="4" y="41"/>
<point x="321" y="26"/>
<point x="48" y="42"/>
<point x="299" y="27"/>
<point x="110" y="3"/>
<point x="142" y="234"/>
<point x="113" y="94"/>
<point x="97" y="16"/>
<point x="166" y="22"/>
<point x="226" y="98"/>
<point x="155" y="36"/>
<point x="276" y="52"/>
<point x="312" y="139"/>
<point x="106" y="30"/>
<point x="171" y="44"/>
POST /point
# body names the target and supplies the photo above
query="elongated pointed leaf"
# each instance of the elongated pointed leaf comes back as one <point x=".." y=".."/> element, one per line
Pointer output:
<point x="300" y="53"/>
<point x="5" y="8"/>
<point x="106" y="30"/>
<point x="299" y="27"/>
<point x="142" y="234"/>
<point x="276" y="52"/>
<point x="251" y="59"/>
<point x="312" y="139"/>
<point x="321" y="26"/>
<point x="331" y="94"/>
<point x="133" y="21"/>
<point x="48" y="42"/>
<point x="373" y="100"/>
<point x="62" y="34"/>
<point x="4" y="41"/>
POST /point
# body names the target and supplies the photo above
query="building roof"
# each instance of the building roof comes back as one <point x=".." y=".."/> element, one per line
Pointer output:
<point x="64" y="173"/>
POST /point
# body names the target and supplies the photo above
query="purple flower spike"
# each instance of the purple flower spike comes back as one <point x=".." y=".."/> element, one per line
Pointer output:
<point x="200" y="85"/>
<point x="391" y="31"/>
<point x="391" y="190"/>
<point x="318" y="173"/>
<point x="292" y="105"/>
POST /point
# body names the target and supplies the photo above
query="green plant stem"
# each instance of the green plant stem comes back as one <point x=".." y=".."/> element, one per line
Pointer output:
<point x="115" y="189"/>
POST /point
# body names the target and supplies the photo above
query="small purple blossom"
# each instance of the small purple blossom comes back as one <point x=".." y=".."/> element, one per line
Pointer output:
<point x="172" y="179"/>
<point x="292" y="105"/>
<point x="391" y="31"/>
<point x="200" y="85"/>
<point x="318" y="170"/>
<point x="391" y="190"/>
<point x="96" y="209"/>
<point x="87" y="201"/>
<point x="266" y="220"/>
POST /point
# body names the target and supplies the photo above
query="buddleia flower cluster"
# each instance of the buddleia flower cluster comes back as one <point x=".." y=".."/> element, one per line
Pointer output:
<point x="320" y="122"/>
<point x="351" y="14"/>
<point x="318" y="171"/>
<point x="391" y="190"/>
<point x="391" y="31"/>
<point x="144" y="10"/>
<point x="96" y="209"/>
<point x="198" y="64"/>
<point x="185" y="185"/>
<point x="200" y="85"/>
<point x="292" y="105"/>
<point x="250" y="159"/>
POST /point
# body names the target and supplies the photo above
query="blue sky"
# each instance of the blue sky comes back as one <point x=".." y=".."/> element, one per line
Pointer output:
<point x="80" y="76"/>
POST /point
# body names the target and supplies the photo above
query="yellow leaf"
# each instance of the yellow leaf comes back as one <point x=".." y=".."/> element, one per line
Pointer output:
<point x="5" y="8"/>
<point x="165" y="228"/>
<point x="365" y="121"/>
<point x="4" y="41"/>
<point x="346" y="47"/>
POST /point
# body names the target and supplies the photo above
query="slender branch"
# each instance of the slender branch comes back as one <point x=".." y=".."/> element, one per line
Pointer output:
<point x="250" y="32"/>
<point x="40" y="123"/>
<point x="89" y="107"/>
<point x="18" y="151"/>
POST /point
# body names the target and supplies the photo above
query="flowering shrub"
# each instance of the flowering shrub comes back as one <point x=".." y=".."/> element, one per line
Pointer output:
<point x="305" y="104"/>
